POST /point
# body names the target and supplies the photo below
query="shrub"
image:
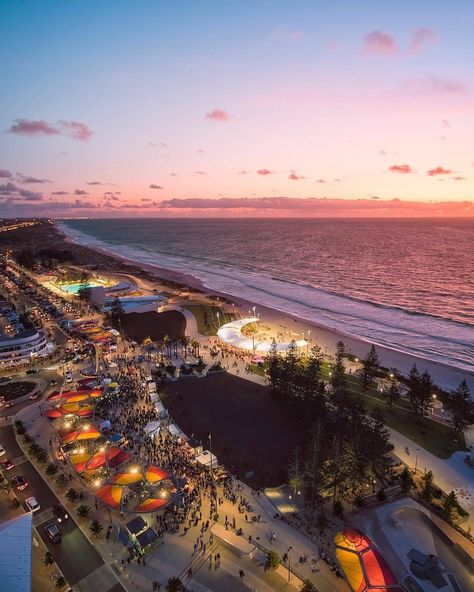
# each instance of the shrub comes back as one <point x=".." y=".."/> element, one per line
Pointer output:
<point x="338" y="508"/>
<point x="381" y="495"/>
<point x="72" y="495"/>
<point x="61" y="481"/>
<point x="95" y="527"/>
<point x="48" y="558"/>
<point x="60" y="582"/>
<point x="51" y="469"/>
<point x="83" y="511"/>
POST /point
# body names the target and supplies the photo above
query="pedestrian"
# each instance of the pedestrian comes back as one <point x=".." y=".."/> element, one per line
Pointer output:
<point x="241" y="574"/>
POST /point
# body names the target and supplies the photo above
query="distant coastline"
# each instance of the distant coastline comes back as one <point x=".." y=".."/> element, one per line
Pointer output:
<point x="443" y="374"/>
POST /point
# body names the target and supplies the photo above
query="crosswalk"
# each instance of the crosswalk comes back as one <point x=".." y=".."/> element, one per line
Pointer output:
<point x="42" y="517"/>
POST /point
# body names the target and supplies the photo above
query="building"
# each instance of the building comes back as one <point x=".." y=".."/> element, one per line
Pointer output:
<point x="15" y="554"/>
<point x="24" y="346"/>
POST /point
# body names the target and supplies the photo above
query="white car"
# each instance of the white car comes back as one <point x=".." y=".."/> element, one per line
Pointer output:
<point x="68" y="376"/>
<point x="2" y="450"/>
<point x="32" y="504"/>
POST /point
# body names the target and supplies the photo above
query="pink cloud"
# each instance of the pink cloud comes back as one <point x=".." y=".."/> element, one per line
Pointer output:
<point x="459" y="178"/>
<point x="379" y="43"/>
<point x="294" y="177"/>
<point x="324" y="180"/>
<point x="153" y="186"/>
<point x="76" y="130"/>
<point x="80" y="192"/>
<point x="30" y="180"/>
<point x="31" y="127"/>
<point x="5" y="174"/>
<point x="217" y="115"/>
<point x="404" y="169"/>
<point x="421" y="38"/>
<point x="439" y="170"/>
<point x="264" y="172"/>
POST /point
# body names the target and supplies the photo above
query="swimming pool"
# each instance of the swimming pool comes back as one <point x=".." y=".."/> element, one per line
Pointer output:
<point x="73" y="288"/>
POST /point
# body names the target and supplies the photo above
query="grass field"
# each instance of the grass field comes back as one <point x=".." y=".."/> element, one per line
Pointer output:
<point x="250" y="431"/>
<point x="206" y="317"/>
<point x="13" y="390"/>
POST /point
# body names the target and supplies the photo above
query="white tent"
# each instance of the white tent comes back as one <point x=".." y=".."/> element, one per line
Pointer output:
<point x="152" y="428"/>
<point x="207" y="459"/>
<point x="175" y="431"/>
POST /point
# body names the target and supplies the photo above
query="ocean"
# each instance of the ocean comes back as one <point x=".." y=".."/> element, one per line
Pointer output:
<point x="403" y="284"/>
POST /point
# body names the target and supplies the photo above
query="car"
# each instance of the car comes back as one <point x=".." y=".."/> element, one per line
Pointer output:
<point x="32" y="371"/>
<point x="53" y="532"/>
<point x="53" y="382"/>
<point x="7" y="464"/>
<point x="34" y="396"/>
<point x="68" y="376"/>
<point x="32" y="504"/>
<point x="19" y="482"/>
<point x="60" y="513"/>
<point x="2" y="450"/>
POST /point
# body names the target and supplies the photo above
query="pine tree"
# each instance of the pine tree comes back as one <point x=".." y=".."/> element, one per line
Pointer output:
<point x="392" y="393"/>
<point x="420" y="391"/>
<point x="450" y="504"/>
<point x="370" y="366"/>
<point x="406" y="481"/>
<point x="461" y="407"/>
<point x="427" y="486"/>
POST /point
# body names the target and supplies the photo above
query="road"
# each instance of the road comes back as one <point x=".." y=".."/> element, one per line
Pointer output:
<point x="75" y="555"/>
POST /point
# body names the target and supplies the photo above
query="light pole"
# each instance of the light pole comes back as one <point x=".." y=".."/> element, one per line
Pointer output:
<point x="218" y="322"/>
<point x="289" y="563"/>
<point x="253" y="308"/>
<point x="417" y="452"/>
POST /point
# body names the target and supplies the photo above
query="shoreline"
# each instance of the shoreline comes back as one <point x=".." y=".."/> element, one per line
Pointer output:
<point x="446" y="376"/>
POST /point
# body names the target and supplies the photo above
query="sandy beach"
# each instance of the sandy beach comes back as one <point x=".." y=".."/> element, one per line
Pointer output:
<point x="445" y="376"/>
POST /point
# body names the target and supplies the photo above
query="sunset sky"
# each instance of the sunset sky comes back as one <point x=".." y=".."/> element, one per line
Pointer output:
<point x="125" y="108"/>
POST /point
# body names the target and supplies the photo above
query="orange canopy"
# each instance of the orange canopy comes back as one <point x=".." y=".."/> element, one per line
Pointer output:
<point x="151" y="504"/>
<point x="126" y="478"/>
<point x="153" y="474"/>
<point x="111" y="495"/>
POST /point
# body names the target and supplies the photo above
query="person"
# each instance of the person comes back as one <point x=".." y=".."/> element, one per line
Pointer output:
<point x="241" y="574"/>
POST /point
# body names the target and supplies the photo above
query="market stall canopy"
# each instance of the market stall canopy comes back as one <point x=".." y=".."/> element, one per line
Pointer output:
<point x="111" y="495"/>
<point x="53" y="414"/>
<point x="151" y="427"/>
<point x="154" y="474"/>
<point x="126" y="478"/>
<point x="151" y="504"/>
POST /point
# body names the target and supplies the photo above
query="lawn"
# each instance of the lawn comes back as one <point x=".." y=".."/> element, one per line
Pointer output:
<point x="439" y="439"/>
<point x="250" y="431"/>
<point x="206" y="317"/>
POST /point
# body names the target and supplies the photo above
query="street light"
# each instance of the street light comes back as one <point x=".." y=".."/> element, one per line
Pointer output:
<point x="417" y="452"/>
<point x="289" y="563"/>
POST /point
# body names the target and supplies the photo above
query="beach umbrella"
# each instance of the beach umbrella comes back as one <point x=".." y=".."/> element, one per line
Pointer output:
<point x="154" y="474"/>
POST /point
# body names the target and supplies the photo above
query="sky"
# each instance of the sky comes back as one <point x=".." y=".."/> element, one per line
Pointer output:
<point x="236" y="108"/>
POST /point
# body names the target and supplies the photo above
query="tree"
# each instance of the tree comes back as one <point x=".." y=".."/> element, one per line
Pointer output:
<point x="61" y="481"/>
<point x="427" y="486"/>
<point x="392" y="392"/>
<point x="370" y="366"/>
<point x="83" y="511"/>
<point x="60" y="582"/>
<point x="461" y="407"/>
<point x="51" y="469"/>
<point x="84" y="293"/>
<point x="338" y="370"/>
<point x="116" y="310"/>
<point x="295" y="476"/>
<point x="72" y="495"/>
<point x="420" y="391"/>
<point x="95" y="527"/>
<point x="308" y="586"/>
<point x="174" y="585"/>
<point x="273" y="560"/>
<point x="48" y="558"/>
<point x="406" y="481"/>
<point x="450" y="504"/>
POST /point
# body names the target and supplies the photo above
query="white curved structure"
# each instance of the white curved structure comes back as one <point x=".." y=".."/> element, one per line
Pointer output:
<point x="232" y="334"/>
<point x="23" y="346"/>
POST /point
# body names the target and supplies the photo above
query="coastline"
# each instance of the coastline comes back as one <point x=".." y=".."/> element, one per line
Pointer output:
<point x="446" y="376"/>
